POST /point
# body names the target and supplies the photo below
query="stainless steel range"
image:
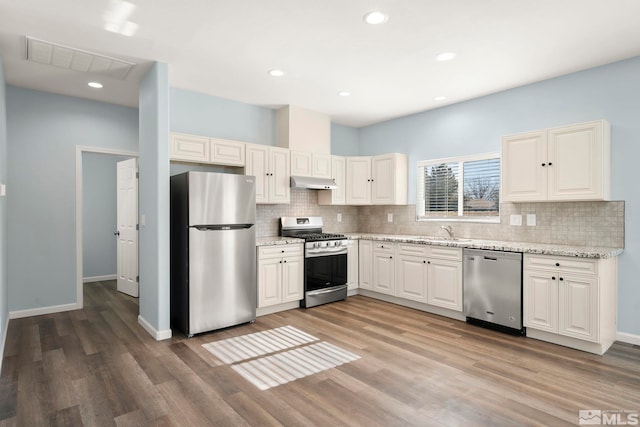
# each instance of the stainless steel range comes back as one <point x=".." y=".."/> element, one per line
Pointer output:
<point x="325" y="263"/>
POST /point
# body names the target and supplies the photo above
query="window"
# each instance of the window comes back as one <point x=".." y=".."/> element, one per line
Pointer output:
<point x="461" y="188"/>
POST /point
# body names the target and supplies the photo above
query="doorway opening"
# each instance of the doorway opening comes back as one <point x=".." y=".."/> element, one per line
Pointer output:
<point x="96" y="212"/>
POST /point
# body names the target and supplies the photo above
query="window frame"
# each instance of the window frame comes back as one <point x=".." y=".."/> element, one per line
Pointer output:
<point x="421" y="202"/>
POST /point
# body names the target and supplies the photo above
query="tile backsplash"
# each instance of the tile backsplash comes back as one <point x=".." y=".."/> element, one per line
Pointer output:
<point x="571" y="223"/>
<point x="305" y="203"/>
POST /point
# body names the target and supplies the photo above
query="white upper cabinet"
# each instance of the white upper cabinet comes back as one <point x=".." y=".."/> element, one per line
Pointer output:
<point x="190" y="148"/>
<point x="270" y="166"/>
<point x="305" y="163"/>
<point x="559" y="164"/>
<point x="378" y="180"/>
<point x="338" y="175"/>
<point x="202" y="149"/>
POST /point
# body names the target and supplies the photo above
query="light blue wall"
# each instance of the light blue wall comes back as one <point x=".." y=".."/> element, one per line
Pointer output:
<point x="154" y="197"/>
<point x="4" y="289"/>
<point x="99" y="204"/>
<point x="201" y="114"/>
<point x="43" y="132"/>
<point x="609" y="92"/>
<point x="344" y="140"/>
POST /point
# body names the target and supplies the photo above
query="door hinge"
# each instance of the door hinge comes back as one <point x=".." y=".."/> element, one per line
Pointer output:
<point x="137" y="226"/>
<point x="137" y="279"/>
<point x="137" y="174"/>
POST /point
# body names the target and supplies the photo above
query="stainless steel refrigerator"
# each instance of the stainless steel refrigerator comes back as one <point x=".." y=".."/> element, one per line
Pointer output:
<point x="213" y="251"/>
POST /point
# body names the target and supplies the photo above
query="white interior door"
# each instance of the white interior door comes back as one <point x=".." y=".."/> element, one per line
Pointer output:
<point x="127" y="233"/>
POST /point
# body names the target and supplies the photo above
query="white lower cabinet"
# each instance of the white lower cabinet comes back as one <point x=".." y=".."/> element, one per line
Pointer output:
<point x="431" y="275"/>
<point x="365" y="263"/>
<point x="280" y="274"/>
<point x="352" y="265"/>
<point x="570" y="301"/>
<point x="384" y="272"/>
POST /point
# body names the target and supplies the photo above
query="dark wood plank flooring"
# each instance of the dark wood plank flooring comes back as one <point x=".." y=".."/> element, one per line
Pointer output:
<point x="96" y="366"/>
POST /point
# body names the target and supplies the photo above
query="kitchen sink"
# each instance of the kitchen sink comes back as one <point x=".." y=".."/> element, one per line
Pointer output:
<point x="441" y="239"/>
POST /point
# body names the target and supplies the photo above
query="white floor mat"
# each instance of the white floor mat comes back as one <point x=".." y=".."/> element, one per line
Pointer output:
<point x="283" y="366"/>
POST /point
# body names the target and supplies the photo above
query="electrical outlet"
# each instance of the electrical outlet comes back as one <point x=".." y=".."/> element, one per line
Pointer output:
<point x="531" y="220"/>
<point x="389" y="217"/>
<point x="516" y="220"/>
<point x="339" y="217"/>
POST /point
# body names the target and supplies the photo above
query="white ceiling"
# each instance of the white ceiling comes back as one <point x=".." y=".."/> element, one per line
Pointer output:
<point x="225" y="48"/>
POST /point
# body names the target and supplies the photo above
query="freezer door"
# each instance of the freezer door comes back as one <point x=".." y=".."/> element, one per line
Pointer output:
<point x="220" y="198"/>
<point x="222" y="278"/>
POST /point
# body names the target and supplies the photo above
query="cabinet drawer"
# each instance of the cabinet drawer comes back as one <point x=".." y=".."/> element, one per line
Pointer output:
<point x="444" y="252"/>
<point x="413" y="249"/>
<point x="564" y="264"/>
<point x="280" y="251"/>
<point x="383" y="247"/>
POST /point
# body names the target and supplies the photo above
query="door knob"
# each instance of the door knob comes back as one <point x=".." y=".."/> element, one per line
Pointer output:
<point x="117" y="233"/>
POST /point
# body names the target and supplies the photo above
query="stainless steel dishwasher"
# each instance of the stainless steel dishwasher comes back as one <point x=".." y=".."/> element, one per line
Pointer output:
<point x="492" y="283"/>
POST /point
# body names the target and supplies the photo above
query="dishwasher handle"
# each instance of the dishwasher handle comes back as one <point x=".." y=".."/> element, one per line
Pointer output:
<point x="488" y="258"/>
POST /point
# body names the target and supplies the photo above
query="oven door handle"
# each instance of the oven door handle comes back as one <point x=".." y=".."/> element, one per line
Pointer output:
<point x="338" y="250"/>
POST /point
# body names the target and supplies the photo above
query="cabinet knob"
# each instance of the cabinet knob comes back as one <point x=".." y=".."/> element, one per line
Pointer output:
<point x="390" y="257"/>
<point x="544" y="164"/>
<point x="285" y="261"/>
<point x="553" y="277"/>
<point x="424" y="262"/>
<point x="557" y="264"/>
<point x="280" y="261"/>
<point x="428" y="262"/>
<point x="550" y="163"/>
<point x="282" y="251"/>
<point x="561" y="279"/>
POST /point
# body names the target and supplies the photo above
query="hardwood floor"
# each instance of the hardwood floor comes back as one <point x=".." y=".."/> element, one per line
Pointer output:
<point x="96" y="366"/>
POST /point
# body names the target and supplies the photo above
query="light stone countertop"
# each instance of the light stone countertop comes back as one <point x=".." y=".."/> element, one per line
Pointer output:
<point x="277" y="240"/>
<point x="496" y="245"/>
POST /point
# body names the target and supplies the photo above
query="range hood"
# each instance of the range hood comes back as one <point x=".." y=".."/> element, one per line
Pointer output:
<point x="313" y="183"/>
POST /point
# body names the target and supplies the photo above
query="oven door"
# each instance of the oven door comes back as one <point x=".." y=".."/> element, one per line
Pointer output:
<point x="326" y="271"/>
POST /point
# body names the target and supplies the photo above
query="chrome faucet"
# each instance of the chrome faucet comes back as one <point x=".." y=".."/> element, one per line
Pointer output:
<point x="449" y="231"/>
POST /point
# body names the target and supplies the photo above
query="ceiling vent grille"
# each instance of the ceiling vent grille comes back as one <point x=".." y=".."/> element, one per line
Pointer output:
<point x="44" y="52"/>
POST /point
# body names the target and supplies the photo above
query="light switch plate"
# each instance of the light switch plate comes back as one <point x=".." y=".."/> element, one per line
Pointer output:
<point x="389" y="217"/>
<point x="531" y="220"/>
<point x="339" y="217"/>
<point x="143" y="220"/>
<point x="3" y="190"/>
<point x="516" y="220"/>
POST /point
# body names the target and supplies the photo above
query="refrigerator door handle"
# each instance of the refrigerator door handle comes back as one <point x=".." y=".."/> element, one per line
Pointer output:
<point x="221" y="227"/>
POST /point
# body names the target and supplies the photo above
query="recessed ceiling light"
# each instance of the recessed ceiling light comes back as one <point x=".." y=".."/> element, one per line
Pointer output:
<point x="276" y="73"/>
<point x="344" y="93"/>
<point x="95" y="85"/>
<point x="439" y="98"/>
<point x="446" y="56"/>
<point x="376" y="17"/>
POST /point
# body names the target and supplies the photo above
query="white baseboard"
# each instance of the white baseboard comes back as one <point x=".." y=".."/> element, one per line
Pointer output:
<point x="99" y="278"/>
<point x="628" y="338"/>
<point x="4" y="341"/>
<point x="156" y="334"/>
<point x="43" y="310"/>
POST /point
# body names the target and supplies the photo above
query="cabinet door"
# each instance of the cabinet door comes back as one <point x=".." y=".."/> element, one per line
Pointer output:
<point x="258" y="166"/>
<point x="301" y="163"/>
<point x="338" y="166"/>
<point x="578" y="307"/>
<point x="292" y="279"/>
<point x="321" y="166"/>
<point x="225" y="152"/>
<point x="365" y="262"/>
<point x="358" y="180"/>
<point x="524" y="167"/>
<point x="412" y="278"/>
<point x="575" y="155"/>
<point x="383" y="180"/>
<point x="269" y="281"/>
<point x="189" y="147"/>
<point x="279" y="185"/>
<point x="352" y="264"/>
<point x="384" y="272"/>
<point x="540" y="300"/>
<point x="444" y="287"/>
